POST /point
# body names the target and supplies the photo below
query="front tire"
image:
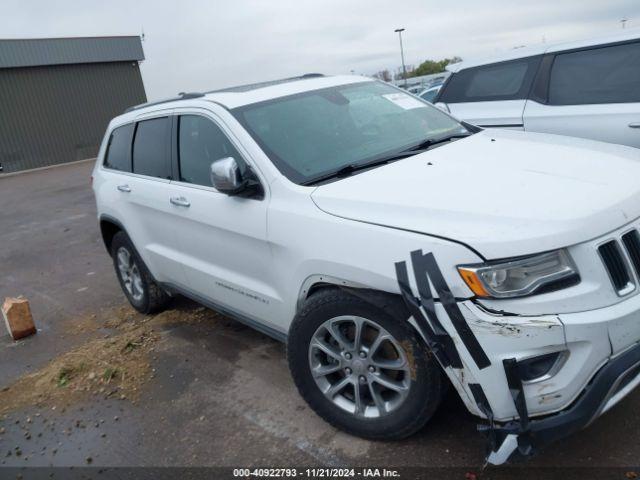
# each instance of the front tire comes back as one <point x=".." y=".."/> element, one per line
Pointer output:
<point x="361" y="368"/>
<point x="143" y="293"/>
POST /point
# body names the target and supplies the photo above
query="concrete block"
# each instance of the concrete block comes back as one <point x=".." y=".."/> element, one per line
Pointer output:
<point x="18" y="318"/>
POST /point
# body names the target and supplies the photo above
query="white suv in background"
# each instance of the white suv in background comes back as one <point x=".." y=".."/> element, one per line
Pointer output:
<point x="588" y="89"/>
<point x="393" y="248"/>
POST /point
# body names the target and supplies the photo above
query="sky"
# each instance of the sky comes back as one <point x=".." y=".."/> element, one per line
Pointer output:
<point x="197" y="45"/>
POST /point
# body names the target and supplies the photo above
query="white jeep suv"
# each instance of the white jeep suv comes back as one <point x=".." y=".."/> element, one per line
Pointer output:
<point x="395" y="250"/>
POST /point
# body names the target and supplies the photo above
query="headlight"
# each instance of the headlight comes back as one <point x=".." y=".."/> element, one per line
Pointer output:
<point x="520" y="277"/>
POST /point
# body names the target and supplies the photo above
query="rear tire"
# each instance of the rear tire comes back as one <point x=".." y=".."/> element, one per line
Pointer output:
<point x="143" y="293"/>
<point x="365" y="406"/>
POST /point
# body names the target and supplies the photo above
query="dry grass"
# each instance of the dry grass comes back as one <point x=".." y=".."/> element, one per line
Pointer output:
<point x="113" y="365"/>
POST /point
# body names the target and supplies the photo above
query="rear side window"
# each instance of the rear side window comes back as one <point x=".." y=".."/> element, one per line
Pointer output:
<point x="118" y="155"/>
<point x="501" y="81"/>
<point x="600" y="75"/>
<point x="429" y="95"/>
<point x="150" y="148"/>
<point x="201" y="142"/>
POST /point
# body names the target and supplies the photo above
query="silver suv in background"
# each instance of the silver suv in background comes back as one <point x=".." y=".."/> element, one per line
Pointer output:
<point x="588" y="89"/>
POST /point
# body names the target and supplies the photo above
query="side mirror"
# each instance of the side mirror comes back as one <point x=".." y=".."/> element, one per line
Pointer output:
<point x="226" y="176"/>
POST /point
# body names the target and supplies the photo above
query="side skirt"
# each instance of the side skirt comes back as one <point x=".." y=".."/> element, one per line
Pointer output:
<point x="239" y="317"/>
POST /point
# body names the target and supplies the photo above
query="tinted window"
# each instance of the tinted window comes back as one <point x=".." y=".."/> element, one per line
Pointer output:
<point x="500" y="81"/>
<point x="119" y="149"/>
<point x="429" y="95"/>
<point x="150" y="148"/>
<point x="200" y="142"/>
<point x="601" y="75"/>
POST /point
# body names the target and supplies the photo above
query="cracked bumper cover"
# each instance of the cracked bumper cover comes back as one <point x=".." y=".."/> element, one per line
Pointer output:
<point x="522" y="438"/>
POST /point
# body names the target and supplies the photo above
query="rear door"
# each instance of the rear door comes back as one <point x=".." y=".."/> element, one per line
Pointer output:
<point x="492" y="95"/>
<point x="226" y="255"/>
<point x="591" y="93"/>
<point x="143" y="197"/>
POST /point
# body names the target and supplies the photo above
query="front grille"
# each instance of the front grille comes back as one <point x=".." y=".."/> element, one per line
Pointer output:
<point x="616" y="265"/>
<point x="631" y="243"/>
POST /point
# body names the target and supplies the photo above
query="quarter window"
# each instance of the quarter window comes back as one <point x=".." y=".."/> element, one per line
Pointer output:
<point x="201" y="142"/>
<point x="599" y="75"/>
<point x="150" y="152"/>
<point x="501" y="81"/>
<point x="119" y="149"/>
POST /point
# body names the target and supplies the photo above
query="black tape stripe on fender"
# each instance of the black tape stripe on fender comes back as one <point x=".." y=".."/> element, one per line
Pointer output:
<point x="451" y="307"/>
<point x="422" y="324"/>
<point x="426" y="298"/>
<point x="481" y="400"/>
<point x="495" y="437"/>
<point x="517" y="391"/>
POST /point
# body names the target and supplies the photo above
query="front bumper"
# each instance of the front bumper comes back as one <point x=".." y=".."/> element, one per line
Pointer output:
<point x="523" y="437"/>
<point x="482" y="352"/>
<point x="521" y="418"/>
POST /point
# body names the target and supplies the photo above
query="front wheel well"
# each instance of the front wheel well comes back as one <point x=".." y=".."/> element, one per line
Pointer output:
<point x="390" y="302"/>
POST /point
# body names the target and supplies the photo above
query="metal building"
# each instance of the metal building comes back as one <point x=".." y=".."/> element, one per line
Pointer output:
<point x="57" y="96"/>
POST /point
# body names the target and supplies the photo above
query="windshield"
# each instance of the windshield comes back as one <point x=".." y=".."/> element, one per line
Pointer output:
<point x="315" y="133"/>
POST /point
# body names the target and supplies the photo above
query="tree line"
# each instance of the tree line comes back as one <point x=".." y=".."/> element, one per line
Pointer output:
<point x="427" y="67"/>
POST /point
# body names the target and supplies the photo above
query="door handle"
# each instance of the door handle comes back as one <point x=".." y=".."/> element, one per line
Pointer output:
<point x="124" y="188"/>
<point x="180" y="201"/>
<point x="634" y="125"/>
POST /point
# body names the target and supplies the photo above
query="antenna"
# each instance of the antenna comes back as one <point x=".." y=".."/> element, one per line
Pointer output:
<point x="142" y="34"/>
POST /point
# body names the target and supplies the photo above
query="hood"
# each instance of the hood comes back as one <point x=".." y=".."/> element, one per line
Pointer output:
<point x="503" y="193"/>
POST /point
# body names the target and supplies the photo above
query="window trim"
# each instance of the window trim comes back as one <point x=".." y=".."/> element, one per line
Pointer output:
<point x="175" y="154"/>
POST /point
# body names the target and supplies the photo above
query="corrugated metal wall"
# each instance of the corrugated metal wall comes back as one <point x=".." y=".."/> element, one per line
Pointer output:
<point x="35" y="52"/>
<point x="57" y="114"/>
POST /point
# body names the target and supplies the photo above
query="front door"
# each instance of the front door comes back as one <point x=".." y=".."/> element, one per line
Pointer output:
<point x="226" y="255"/>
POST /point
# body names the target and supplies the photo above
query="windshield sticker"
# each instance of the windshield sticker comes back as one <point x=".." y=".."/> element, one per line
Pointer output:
<point x="404" y="101"/>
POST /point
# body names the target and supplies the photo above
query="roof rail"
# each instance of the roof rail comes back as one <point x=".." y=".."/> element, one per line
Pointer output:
<point x="270" y="83"/>
<point x="181" y="96"/>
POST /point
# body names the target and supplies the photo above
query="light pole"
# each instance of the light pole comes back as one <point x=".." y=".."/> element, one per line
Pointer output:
<point x="404" y="69"/>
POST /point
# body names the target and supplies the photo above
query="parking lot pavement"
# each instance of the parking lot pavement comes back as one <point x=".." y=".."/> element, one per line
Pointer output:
<point x="220" y="393"/>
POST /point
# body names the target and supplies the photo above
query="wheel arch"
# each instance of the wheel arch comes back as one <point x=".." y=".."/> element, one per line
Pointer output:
<point x="109" y="226"/>
<point x="388" y="301"/>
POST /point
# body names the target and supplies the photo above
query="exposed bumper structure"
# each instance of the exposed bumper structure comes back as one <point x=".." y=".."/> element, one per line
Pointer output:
<point x="488" y="356"/>
<point x="525" y="436"/>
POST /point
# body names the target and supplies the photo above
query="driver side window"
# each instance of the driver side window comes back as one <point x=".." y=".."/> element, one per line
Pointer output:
<point x="200" y="142"/>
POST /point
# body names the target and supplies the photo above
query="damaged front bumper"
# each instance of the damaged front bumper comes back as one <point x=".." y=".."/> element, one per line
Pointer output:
<point x="523" y="437"/>
<point x="485" y="352"/>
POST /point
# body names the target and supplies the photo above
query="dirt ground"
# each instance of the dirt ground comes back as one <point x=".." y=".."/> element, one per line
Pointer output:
<point x="102" y="385"/>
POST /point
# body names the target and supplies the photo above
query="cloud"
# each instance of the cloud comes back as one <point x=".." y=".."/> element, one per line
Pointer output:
<point x="203" y="45"/>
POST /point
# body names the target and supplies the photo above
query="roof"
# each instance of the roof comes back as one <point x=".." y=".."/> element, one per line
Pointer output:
<point x="234" y="98"/>
<point x="244" y="95"/>
<point x="524" y="52"/>
<point x="32" y="52"/>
